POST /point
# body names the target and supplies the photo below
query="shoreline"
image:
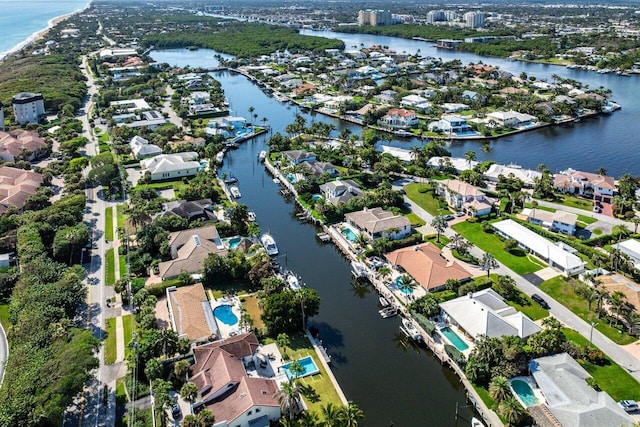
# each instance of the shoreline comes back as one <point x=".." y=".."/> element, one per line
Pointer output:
<point x="38" y="35"/>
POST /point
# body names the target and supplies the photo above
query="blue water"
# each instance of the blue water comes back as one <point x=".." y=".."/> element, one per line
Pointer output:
<point x="233" y="242"/>
<point x="20" y="19"/>
<point x="406" y="291"/>
<point x="349" y="234"/>
<point x="454" y="338"/>
<point x="224" y="313"/>
<point x="307" y="364"/>
<point x="524" y="392"/>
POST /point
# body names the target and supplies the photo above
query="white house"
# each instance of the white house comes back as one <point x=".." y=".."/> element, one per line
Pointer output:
<point x="458" y="163"/>
<point x="451" y="107"/>
<point x="340" y="191"/>
<point x="462" y="196"/>
<point x="601" y="187"/>
<point x="631" y="248"/>
<point x="415" y="101"/>
<point x="450" y="124"/>
<point x="560" y="221"/>
<point x="511" y="119"/>
<point x="27" y="107"/>
<point x="558" y="256"/>
<point x="527" y="176"/>
<point x="141" y="149"/>
<point x="377" y="223"/>
<point x="400" y="118"/>
<point x="168" y="166"/>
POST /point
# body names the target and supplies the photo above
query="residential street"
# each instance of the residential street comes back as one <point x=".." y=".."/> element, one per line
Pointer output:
<point x="614" y="351"/>
<point x="4" y="352"/>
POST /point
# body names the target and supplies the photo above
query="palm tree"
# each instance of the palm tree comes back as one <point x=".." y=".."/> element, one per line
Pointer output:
<point x="251" y="110"/>
<point x="511" y="410"/>
<point x="138" y="218"/>
<point x="617" y="300"/>
<point x="181" y="369"/>
<point x="456" y="240"/>
<point x="489" y="263"/>
<point x="331" y="415"/>
<point x="283" y="341"/>
<point x="205" y="418"/>
<point x="362" y="240"/>
<point x="407" y="285"/>
<point x="189" y="392"/>
<point x="635" y="220"/>
<point x="470" y="156"/>
<point x="440" y="224"/>
<point x="289" y="396"/>
<point x="384" y="271"/>
<point x="351" y="415"/>
<point x="590" y="294"/>
<point x="499" y="388"/>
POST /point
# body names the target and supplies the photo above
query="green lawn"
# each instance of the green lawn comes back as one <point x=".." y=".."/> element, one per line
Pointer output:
<point x="611" y="378"/>
<point x="425" y="200"/>
<point x="250" y="304"/>
<point x="110" y="344"/>
<point x="123" y="265"/>
<point x="299" y="348"/>
<point x="586" y="219"/>
<point x="526" y="305"/>
<point x="564" y="293"/>
<point x="491" y="243"/>
<point x="129" y="324"/>
<point x="415" y="220"/>
<point x="108" y="224"/>
<point x="575" y="202"/>
<point x="4" y="315"/>
<point x="110" y="274"/>
<point x="122" y="218"/>
<point x="103" y="138"/>
<point x="121" y="394"/>
<point x="444" y="240"/>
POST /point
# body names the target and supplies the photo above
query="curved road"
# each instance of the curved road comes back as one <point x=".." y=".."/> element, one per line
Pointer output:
<point x="611" y="349"/>
<point x="4" y="353"/>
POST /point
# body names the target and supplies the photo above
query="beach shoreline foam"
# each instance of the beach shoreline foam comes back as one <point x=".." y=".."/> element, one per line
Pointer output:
<point x="38" y="35"/>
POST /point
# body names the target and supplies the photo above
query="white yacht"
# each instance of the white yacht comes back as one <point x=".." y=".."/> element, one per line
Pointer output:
<point x="235" y="192"/>
<point x="269" y="244"/>
<point x="262" y="156"/>
<point x="410" y="330"/>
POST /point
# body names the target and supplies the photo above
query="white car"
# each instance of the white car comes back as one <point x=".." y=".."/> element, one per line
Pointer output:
<point x="628" y="405"/>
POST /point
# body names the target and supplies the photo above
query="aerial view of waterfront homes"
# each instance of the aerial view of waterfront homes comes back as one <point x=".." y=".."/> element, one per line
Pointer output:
<point x="202" y="204"/>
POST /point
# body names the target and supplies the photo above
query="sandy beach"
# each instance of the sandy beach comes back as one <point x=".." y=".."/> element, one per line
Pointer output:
<point x="40" y="34"/>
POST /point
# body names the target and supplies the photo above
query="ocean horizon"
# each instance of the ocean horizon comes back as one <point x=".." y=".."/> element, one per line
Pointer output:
<point x="20" y="20"/>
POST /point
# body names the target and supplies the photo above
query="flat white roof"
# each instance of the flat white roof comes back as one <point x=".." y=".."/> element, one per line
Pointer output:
<point x="539" y="245"/>
<point x="630" y="247"/>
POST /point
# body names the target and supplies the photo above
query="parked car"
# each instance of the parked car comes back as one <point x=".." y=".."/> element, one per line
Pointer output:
<point x="537" y="298"/>
<point x="459" y="213"/>
<point x="176" y="412"/>
<point x="628" y="405"/>
<point x="448" y="217"/>
<point x="597" y="209"/>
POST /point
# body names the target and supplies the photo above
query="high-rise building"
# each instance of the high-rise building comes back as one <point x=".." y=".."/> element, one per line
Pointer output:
<point x="474" y="19"/>
<point x="434" y="16"/>
<point x="374" y="17"/>
<point x="28" y="107"/>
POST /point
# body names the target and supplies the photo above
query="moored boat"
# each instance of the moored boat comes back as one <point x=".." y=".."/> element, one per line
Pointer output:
<point x="293" y="281"/>
<point x="410" y="330"/>
<point x="235" y="192"/>
<point x="251" y="216"/>
<point x="358" y="269"/>
<point x="262" y="156"/>
<point x="269" y="244"/>
<point x="384" y="302"/>
<point x="388" y="312"/>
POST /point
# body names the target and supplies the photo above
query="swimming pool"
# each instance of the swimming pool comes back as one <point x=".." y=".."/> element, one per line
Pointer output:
<point x="349" y="234"/>
<point x="234" y="242"/>
<point x="225" y="314"/>
<point x="308" y="365"/>
<point x="454" y="338"/>
<point x="316" y="197"/>
<point x="523" y="390"/>
<point x="243" y="132"/>
<point x="399" y="285"/>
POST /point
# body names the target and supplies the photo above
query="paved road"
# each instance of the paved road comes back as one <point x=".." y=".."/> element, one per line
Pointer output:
<point x="4" y="353"/>
<point x="166" y="108"/>
<point x="614" y="351"/>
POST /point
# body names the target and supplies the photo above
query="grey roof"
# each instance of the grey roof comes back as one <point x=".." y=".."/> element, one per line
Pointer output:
<point x="343" y="190"/>
<point x="377" y="220"/>
<point x="485" y="313"/>
<point x="298" y="155"/>
<point x="570" y="399"/>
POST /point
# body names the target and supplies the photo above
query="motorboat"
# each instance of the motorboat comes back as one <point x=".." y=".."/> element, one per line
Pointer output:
<point x="262" y="156"/>
<point x="410" y="330"/>
<point x="251" y="216"/>
<point x="293" y="281"/>
<point x="276" y="181"/>
<point x="476" y="422"/>
<point x="230" y="180"/>
<point x="383" y="302"/>
<point x="358" y="269"/>
<point x="388" y="312"/>
<point x="235" y="192"/>
<point x="269" y="244"/>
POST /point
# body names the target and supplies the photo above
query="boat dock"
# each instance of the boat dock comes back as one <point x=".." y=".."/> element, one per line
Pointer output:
<point x="325" y="359"/>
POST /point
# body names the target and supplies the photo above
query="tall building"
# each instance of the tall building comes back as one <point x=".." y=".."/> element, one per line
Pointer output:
<point x="474" y="19"/>
<point x="28" y="107"/>
<point x="374" y="17"/>
<point x="434" y="16"/>
<point x="1" y="116"/>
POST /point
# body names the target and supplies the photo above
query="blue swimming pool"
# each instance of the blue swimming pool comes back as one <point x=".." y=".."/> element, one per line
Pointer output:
<point x="243" y="132"/>
<point x="308" y="365"/>
<point x="349" y="234"/>
<point x="315" y="197"/>
<point x="225" y="314"/>
<point x="406" y="291"/>
<point x="454" y="338"/>
<point x="234" y="242"/>
<point x="524" y="392"/>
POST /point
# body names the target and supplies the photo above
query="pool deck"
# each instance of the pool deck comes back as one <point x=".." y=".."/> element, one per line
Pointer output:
<point x="227" y="331"/>
<point x="534" y="387"/>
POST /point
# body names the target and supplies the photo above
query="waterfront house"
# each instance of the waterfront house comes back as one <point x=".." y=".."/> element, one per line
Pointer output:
<point x="599" y="187"/>
<point x="485" y="313"/>
<point x="225" y="387"/>
<point x="399" y="118"/>
<point x="168" y="166"/>
<point x="340" y="191"/>
<point x="189" y="249"/>
<point x="377" y="223"/>
<point x="199" y="97"/>
<point x="415" y="101"/>
<point x="569" y="399"/>
<point x="511" y="119"/>
<point x="527" y="176"/>
<point x="387" y="96"/>
<point x="319" y="168"/>
<point x="16" y="186"/>
<point x="558" y="256"/>
<point x="189" y="210"/>
<point x="427" y="265"/>
<point x="463" y="196"/>
<point x="295" y="157"/>
<point x="559" y="221"/>
<point x="20" y="144"/>
<point x="141" y="149"/>
<point x="631" y="248"/>
<point x="450" y="124"/>
<point x="458" y="163"/>
<point x="190" y="313"/>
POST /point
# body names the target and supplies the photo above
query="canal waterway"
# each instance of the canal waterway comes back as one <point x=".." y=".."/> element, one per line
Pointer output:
<point x="392" y="381"/>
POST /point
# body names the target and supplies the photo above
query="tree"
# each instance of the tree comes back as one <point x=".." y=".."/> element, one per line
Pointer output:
<point x="181" y="369"/>
<point x="153" y="370"/>
<point x="499" y="388"/>
<point x="161" y="397"/>
<point x="331" y="415"/>
<point x="283" y="341"/>
<point x="617" y="300"/>
<point x="489" y="263"/>
<point x="351" y="415"/>
<point x="205" y="418"/>
<point x="289" y="396"/>
<point x="440" y="224"/>
<point x="406" y="284"/>
<point x="362" y="239"/>
<point x="470" y="156"/>
<point x="189" y="392"/>
<point x="511" y="410"/>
